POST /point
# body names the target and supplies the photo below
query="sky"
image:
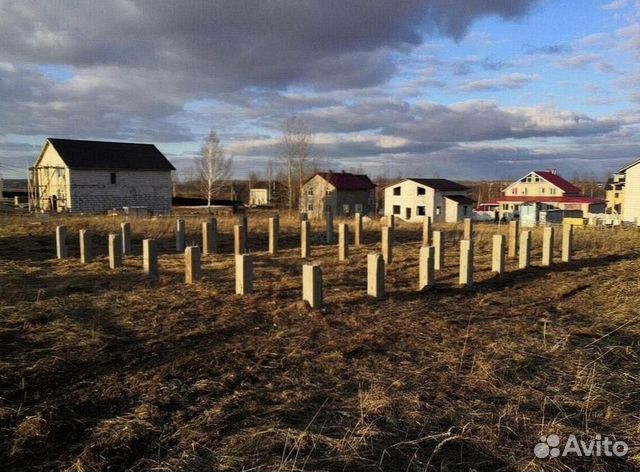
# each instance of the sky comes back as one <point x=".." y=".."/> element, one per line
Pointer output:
<point x="460" y="89"/>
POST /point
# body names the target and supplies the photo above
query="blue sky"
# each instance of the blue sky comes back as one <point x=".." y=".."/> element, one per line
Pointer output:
<point x="461" y="89"/>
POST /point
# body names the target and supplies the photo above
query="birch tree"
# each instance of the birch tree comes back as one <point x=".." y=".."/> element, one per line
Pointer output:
<point x="296" y="145"/>
<point x="212" y="166"/>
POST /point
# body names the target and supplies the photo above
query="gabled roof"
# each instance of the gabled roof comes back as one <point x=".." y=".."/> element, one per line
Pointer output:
<point x="555" y="179"/>
<point x="551" y="177"/>
<point x="78" y="154"/>
<point x="347" y="181"/>
<point x="440" y="184"/>
<point x="461" y="199"/>
<point x="629" y="166"/>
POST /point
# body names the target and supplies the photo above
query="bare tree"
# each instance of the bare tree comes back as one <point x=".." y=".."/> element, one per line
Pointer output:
<point x="212" y="166"/>
<point x="296" y="145"/>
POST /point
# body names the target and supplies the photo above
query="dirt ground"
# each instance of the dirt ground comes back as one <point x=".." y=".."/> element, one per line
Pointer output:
<point x="105" y="370"/>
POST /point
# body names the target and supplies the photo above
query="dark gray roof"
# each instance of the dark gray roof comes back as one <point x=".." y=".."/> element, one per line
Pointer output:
<point x="440" y="184"/>
<point x="462" y="199"/>
<point x="78" y="154"/>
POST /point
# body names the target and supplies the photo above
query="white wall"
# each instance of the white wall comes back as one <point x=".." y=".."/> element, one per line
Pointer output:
<point x="431" y="200"/>
<point x="631" y="204"/>
<point x="92" y="191"/>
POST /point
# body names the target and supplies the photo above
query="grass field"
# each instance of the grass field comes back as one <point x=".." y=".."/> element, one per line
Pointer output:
<point x="106" y="370"/>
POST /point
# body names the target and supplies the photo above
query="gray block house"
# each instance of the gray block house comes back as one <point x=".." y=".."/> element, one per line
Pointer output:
<point x="96" y="176"/>
<point x="343" y="193"/>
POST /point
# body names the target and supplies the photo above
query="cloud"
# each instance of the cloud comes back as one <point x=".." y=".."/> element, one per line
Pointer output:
<point x="549" y="49"/>
<point x="615" y="5"/>
<point x="511" y="81"/>
<point x="582" y="61"/>
<point x="239" y="43"/>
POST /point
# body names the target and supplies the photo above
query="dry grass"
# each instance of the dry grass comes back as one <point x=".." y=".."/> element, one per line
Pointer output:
<point x="106" y="370"/>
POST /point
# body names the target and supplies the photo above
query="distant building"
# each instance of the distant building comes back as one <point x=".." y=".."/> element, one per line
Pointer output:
<point x="624" y="195"/>
<point x="542" y="190"/>
<point x="96" y="176"/>
<point x="343" y="193"/>
<point x="264" y="192"/>
<point x="441" y="199"/>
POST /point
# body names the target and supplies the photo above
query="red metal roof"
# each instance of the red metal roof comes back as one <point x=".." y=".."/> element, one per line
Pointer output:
<point x="543" y="199"/>
<point x="558" y="181"/>
<point x="347" y="181"/>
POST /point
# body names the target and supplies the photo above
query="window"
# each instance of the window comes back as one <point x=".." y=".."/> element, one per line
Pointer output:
<point x="346" y="209"/>
<point x="396" y="209"/>
<point x="113" y="178"/>
<point x="542" y="191"/>
<point x="514" y="191"/>
<point x="536" y="179"/>
<point x="60" y="173"/>
<point x="616" y="195"/>
<point x="524" y="191"/>
<point x="396" y="191"/>
<point x="464" y="210"/>
<point x="438" y="210"/>
<point x="420" y="211"/>
<point x="421" y="191"/>
<point x="505" y="206"/>
<point x="529" y="179"/>
<point x="310" y="192"/>
<point x="328" y="192"/>
<point x="310" y="207"/>
<point x="358" y="207"/>
<point x="552" y="191"/>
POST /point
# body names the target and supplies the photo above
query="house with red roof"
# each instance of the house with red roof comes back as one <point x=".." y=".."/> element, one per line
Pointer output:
<point x="545" y="190"/>
<point x="342" y="193"/>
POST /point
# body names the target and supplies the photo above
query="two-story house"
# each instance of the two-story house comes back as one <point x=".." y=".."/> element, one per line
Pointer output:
<point x="342" y="193"/>
<point x="623" y="193"/>
<point x="543" y="190"/>
<point x="441" y="199"/>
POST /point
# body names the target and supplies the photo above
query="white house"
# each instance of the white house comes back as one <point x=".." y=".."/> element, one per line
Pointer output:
<point x="441" y="199"/>
<point x="544" y="190"/>
<point x="630" y="176"/>
<point x="96" y="176"/>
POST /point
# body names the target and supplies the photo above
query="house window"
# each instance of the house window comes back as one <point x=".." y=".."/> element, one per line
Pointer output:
<point x="421" y="191"/>
<point x="514" y="191"/>
<point x="396" y="191"/>
<point x="552" y="191"/>
<point x="113" y="178"/>
<point x="616" y="195"/>
<point x="542" y="191"/>
<point x="60" y="173"/>
<point x="438" y="210"/>
<point x="420" y="211"/>
<point x="310" y="192"/>
<point x="310" y="207"/>
<point x="358" y="207"/>
<point x="524" y="191"/>
<point x="396" y="209"/>
<point x="537" y="179"/>
<point x="345" y="209"/>
<point x="464" y="210"/>
<point x="505" y="206"/>
<point x="328" y="193"/>
<point x="529" y="179"/>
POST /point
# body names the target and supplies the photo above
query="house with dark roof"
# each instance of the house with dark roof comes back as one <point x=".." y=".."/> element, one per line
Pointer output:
<point x="96" y="176"/>
<point x="342" y="193"/>
<point x="542" y="190"/>
<point x="416" y="199"/>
